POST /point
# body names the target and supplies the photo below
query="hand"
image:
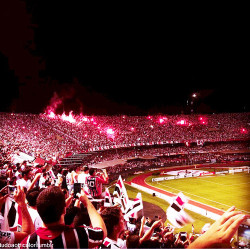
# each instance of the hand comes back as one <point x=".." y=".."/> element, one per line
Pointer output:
<point x="69" y="200"/>
<point x="19" y="196"/>
<point x="157" y="223"/>
<point x="82" y="197"/>
<point x="221" y="231"/>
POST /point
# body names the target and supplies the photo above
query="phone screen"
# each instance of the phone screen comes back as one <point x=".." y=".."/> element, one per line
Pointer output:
<point x="183" y="236"/>
<point x="11" y="190"/>
<point x="244" y="236"/>
<point x="77" y="189"/>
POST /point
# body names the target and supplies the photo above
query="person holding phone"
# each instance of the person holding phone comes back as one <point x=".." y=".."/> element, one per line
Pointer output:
<point x="10" y="238"/>
<point x="95" y="182"/>
<point x="54" y="233"/>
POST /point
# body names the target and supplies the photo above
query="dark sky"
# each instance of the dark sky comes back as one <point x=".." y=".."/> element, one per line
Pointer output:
<point x="121" y="59"/>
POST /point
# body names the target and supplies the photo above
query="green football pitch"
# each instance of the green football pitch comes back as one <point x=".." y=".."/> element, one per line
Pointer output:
<point x="220" y="191"/>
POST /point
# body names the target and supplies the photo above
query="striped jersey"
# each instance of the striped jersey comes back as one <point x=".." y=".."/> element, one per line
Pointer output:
<point x="95" y="185"/>
<point x="64" y="237"/>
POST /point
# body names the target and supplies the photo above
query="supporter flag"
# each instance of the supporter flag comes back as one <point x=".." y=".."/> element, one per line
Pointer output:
<point x="134" y="207"/>
<point x="12" y="216"/>
<point x="120" y="194"/>
<point x="51" y="174"/>
<point x="107" y="199"/>
<point x="176" y="214"/>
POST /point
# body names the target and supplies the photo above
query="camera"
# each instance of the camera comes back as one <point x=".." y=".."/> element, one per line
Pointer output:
<point x="11" y="189"/>
<point x="183" y="236"/>
<point x="243" y="235"/>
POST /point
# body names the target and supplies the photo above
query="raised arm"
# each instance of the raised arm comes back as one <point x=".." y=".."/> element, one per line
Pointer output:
<point x="141" y="232"/>
<point x="95" y="217"/>
<point x="27" y="224"/>
<point x="222" y="230"/>
<point x="36" y="178"/>
<point x="149" y="233"/>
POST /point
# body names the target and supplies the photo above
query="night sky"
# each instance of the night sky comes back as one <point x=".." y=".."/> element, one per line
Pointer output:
<point x="121" y="59"/>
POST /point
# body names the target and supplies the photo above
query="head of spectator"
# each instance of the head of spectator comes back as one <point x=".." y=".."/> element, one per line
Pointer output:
<point x="114" y="221"/>
<point x="51" y="206"/>
<point x="92" y="171"/>
<point x="77" y="169"/>
<point x="26" y="174"/>
<point x="31" y="197"/>
<point x="133" y="241"/>
<point x="86" y="169"/>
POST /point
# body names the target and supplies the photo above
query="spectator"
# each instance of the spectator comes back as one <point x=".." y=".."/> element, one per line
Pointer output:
<point x="51" y="207"/>
<point x="95" y="181"/>
<point x="31" y="198"/>
<point x="82" y="177"/>
<point x="25" y="181"/>
<point x="11" y="238"/>
<point x="115" y="223"/>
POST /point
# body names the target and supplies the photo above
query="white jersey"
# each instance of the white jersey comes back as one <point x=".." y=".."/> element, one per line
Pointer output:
<point x="82" y="178"/>
<point x="37" y="221"/>
<point x="69" y="179"/>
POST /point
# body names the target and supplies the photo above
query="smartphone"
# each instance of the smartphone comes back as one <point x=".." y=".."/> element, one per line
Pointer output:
<point x="183" y="236"/>
<point x="11" y="189"/>
<point x="77" y="189"/>
<point x="243" y="235"/>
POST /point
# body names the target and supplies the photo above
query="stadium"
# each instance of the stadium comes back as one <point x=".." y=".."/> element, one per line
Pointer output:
<point x="204" y="157"/>
<point x="123" y="126"/>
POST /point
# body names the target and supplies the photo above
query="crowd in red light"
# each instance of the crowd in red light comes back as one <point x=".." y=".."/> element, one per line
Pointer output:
<point x="145" y="143"/>
<point x="52" y="136"/>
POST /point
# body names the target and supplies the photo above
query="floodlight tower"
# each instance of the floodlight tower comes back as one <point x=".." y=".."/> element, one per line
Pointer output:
<point x="191" y="101"/>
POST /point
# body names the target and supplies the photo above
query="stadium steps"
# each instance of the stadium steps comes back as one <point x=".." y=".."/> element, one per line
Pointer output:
<point x="76" y="159"/>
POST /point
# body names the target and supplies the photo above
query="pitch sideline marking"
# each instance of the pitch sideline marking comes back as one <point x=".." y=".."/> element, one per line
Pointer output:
<point x="200" y="197"/>
<point x="224" y="184"/>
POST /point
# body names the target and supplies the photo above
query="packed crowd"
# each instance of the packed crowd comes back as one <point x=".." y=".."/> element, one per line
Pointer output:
<point x="52" y="138"/>
<point x="46" y="207"/>
<point x="53" y="206"/>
